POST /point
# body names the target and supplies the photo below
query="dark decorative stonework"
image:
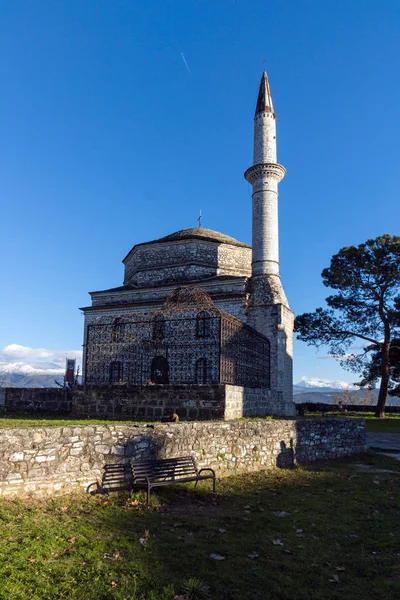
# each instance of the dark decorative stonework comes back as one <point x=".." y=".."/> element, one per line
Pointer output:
<point x="189" y="336"/>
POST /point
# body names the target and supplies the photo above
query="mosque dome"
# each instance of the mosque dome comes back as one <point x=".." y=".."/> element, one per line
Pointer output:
<point x="186" y="256"/>
<point x="203" y="234"/>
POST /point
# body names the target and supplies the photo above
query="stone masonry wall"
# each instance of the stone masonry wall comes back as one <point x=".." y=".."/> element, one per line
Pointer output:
<point x="37" y="400"/>
<point x="149" y="402"/>
<point x="58" y="459"/>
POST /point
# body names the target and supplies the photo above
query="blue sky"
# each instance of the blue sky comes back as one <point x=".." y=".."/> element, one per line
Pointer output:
<point x="108" y="139"/>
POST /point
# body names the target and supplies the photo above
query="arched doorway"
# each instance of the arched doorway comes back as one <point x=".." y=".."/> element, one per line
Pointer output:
<point x="160" y="370"/>
<point x="200" y="375"/>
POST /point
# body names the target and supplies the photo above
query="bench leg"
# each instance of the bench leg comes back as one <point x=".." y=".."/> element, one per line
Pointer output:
<point x="214" y="485"/>
<point x="148" y="493"/>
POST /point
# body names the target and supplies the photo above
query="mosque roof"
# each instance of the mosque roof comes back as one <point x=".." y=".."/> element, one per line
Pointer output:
<point x="200" y="233"/>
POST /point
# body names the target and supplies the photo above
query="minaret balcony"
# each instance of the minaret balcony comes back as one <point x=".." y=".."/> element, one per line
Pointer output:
<point x="264" y="170"/>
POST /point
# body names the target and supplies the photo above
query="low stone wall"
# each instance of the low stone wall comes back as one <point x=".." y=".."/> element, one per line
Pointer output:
<point x="147" y="403"/>
<point x="321" y="407"/>
<point x="37" y="400"/>
<point x="150" y="402"/>
<point x="51" y="459"/>
<point x="255" y="402"/>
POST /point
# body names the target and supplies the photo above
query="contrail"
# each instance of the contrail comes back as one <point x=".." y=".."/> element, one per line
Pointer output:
<point x="185" y="61"/>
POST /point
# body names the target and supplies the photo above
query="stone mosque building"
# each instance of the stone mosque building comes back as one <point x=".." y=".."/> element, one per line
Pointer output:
<point x="200" y="307"/>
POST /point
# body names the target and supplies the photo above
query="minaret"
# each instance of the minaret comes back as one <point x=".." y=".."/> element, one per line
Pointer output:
<point x="264" y="176"/>
<point x="268" y="308"/>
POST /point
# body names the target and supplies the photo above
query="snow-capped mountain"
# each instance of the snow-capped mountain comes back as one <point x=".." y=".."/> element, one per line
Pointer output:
<point x="321" y="385"/>
<point x="22" y="366"/>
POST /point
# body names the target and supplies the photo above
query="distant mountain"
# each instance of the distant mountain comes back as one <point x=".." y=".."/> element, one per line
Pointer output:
<point x="307" y="390"/>
<point x="40" y="381"/>
<point x="318" y="385"/>
<point x="40" y="375"/>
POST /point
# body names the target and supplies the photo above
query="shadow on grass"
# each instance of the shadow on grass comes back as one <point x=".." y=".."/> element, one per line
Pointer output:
<point x="318" y="533"/>
<point x="295" y="535"/>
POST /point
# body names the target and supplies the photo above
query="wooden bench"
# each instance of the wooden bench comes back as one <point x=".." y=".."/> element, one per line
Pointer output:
<point x="151" y="474"/>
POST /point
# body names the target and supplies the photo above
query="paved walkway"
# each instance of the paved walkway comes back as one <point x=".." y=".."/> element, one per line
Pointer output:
<point x="384" y="441"/>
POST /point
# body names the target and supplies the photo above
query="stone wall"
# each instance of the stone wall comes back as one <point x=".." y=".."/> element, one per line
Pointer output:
<point x="147" y="403"/>
<point x="55" y="459"/>
<point x="249" y="402"/>
<point x="37" y="400"/>
<point x="151" y="402"/>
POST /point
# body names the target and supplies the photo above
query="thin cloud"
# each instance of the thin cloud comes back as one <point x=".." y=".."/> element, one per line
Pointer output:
<point x="186" y="63"/>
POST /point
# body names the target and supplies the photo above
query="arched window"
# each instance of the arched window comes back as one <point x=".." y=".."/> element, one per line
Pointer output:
<point x="117" y="329"/>
<point x="115" y="371"/>
<point x="203" y="324"/>
<point x="158" y="328"/>
<point x="200" y="375"/>
<point x="159" y="370"/>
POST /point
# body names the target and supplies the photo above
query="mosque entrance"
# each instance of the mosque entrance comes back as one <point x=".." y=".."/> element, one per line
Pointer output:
<point x="160" y="370"/>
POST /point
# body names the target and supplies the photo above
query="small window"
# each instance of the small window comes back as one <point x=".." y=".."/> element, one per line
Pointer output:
<point x="115" y="371"/>
<point x="117" y="330"/>
<point x="203" y="324"/>
<point x="201" y="371"/>
<point x="158" y="328"/>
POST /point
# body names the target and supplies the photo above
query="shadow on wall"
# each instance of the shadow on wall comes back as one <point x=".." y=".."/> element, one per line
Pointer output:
<point x="245" y="446"/>
<point x="157" y="445"/>
<point x="286" y="459"/>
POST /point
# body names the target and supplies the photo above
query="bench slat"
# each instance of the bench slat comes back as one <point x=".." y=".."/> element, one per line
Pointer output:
<point x="152" y="473"/>
<point x="162" y="470"/>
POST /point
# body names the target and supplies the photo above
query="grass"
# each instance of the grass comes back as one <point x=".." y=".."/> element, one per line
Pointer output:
<point x="390" y="424"/>
<point x="55" y="421"/>
<point x="341" y="539"/>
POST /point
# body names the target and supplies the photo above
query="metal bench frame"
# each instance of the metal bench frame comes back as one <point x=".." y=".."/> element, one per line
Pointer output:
<point x="151" y="474"/>
<point x="168" y="471"/>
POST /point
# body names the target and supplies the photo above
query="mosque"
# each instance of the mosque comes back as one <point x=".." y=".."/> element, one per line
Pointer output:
<point x="200" y="307"/>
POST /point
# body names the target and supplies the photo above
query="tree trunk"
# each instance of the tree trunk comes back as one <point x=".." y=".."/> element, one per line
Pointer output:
<point x="385" y="374"/>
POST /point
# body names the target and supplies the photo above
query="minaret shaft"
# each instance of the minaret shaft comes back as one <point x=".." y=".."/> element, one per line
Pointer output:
<point x="264" y="138"/>
<point x="267" y="308"/>
<point x="264" y="177"/>
<point x="265" y="260"/>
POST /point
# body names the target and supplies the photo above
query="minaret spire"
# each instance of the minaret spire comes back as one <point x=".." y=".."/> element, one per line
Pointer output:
<point x="264" y="100"/>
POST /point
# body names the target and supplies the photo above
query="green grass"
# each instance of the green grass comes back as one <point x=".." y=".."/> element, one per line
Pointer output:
<point x="54" y="421"/>
<point x="340" y="540"/>
<point x="390" y="424"/>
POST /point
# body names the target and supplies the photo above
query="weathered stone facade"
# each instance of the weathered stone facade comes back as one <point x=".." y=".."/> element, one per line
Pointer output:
<point x="144" y="403"/>
<point x="241" y="280"/>
<point x="192" y="255"/>
<point x="188" y="341"/>
<point x="57" y="459"/>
